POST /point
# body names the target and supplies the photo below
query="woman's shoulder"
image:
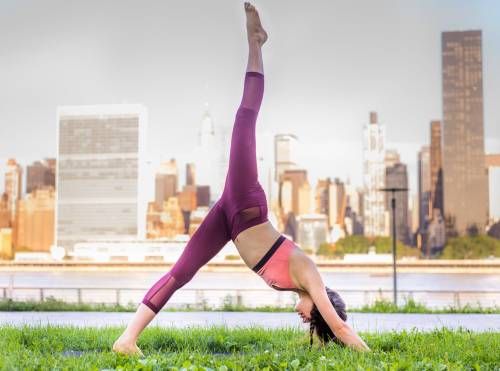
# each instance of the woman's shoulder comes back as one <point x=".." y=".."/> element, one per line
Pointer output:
<point x="301" y="267"/>
<point x="298" y="256"/>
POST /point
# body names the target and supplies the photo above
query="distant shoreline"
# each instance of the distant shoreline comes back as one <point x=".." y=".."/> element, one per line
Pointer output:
<point x="430" y="266"/>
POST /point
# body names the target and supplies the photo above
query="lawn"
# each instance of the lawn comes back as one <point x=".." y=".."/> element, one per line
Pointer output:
<point x="218" y="348"/>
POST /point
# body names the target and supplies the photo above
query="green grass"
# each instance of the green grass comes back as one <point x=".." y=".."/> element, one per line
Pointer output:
<point x="380" y="306"/>
<point x="70" y="348"/>
<point x="411" y="306"/>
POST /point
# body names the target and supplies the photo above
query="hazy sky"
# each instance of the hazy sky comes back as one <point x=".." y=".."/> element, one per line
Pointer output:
<point x="327" y="64"/>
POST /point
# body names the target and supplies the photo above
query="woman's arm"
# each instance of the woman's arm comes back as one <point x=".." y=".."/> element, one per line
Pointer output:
<point x="308" y="278"/>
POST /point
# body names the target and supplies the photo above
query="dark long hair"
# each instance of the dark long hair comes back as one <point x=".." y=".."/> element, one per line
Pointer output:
<point x="319" y="324"/>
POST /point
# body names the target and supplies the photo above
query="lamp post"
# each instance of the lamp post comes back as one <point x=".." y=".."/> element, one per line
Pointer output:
<point x="393" y="191"/>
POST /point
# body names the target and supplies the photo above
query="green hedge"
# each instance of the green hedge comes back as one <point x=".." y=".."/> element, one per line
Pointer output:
<point x="361" y="245"/>
<point x="471" y="247"/>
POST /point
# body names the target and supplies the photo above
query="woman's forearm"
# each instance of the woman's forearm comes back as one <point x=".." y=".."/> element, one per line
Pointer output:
<point x="350" y="338"/>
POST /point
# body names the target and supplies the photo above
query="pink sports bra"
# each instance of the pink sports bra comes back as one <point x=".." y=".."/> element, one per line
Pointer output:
<point x="274" y="265"/>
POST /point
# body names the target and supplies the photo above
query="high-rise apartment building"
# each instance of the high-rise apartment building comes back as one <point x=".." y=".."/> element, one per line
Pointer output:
<point x="13" y="185"/>
<point x="4" y="212"/>
<point x="305" y="198"/>
<point x="413" y="215"/>
<point x="391" y="158"/>
<point x="321" y="196"/>
<point x="35" y="221"/>
<point x="190" y="174"/>
<point x="285" y="147"/>
<point x="286" y="197"/>
<point x="337" y="203"/>
<point x="41" y="175"/>
<point x="297" y="179"/>
<point x="6" y="250"/>
<point x="203" y="196"/>
<point x="397" y="177"/>
<point x="424" y="187"/>
<point x="100" y="174"/>
<point x="211" y="156"/>
<point x="374" y="177"/>
<point x="166" y="182"/>
<point x="493" y="167"/>
<point x="312" y="231"/>
<point x="465" y="183"/>
<point x="436" y="168"/>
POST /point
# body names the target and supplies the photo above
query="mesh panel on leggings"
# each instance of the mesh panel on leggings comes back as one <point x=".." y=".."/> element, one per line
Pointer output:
<point x="159" y="294"/>
<point x="253" y="91"/>
<point x="249" y="214"/>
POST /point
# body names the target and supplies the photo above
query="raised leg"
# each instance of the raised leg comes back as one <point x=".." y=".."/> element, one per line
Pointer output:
<point x="242" y="170"/>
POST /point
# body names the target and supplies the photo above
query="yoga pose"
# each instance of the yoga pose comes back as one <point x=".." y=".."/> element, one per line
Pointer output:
<point x="240" y="215"/>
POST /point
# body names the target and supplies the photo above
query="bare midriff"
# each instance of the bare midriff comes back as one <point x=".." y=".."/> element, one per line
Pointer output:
<point x="254" y="242"/>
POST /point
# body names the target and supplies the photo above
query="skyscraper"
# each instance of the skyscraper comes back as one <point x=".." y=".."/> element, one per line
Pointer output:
<point x="322" y="202"/>
<point x="297" y="178"/>
<point x="13" y="185"/>
<point x="6" y="243"/>
<point x="465" y="183"/>
<point x="337" y="203"/>
<point x="374" y="177"/>
<point x="424" y="187"/>
<point x="436" y="168"/>
<point x="211" y="156"/>
<point x="203" y="195"/>
<point x="353" y="210"/>
<point x="391" y="158"/>
<point x="305" y="198"/>
<point x="285" y="146"/>
<point x="166" y="182"/>
<point x="353" y="198"/>
<point x="5" y="220"/>
<point x="100" y="174"/>
<point x="40" y="175"/>
<point x="35" y="221"/>
<point x="312" y="231"/>
<point x="190" y="174"/>
<point x="493" y="167"/>
<point x="413" y="215"/>
<point x="397" y="177"/>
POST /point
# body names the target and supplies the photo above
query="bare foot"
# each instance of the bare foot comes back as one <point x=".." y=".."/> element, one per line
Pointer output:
<point x="126" y="347"/>
<point x="255" y="31"/>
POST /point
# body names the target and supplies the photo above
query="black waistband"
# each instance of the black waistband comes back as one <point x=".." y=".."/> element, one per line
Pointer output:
<point x="269" y="253"/>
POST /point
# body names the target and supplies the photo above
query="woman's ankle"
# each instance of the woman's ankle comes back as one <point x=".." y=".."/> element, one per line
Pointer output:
<point x="127" y="338"/>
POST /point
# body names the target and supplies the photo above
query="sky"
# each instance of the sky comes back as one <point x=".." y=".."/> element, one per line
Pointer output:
<point x="327" y="64"/>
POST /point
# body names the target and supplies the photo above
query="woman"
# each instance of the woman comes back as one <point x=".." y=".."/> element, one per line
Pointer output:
<point x="241" y="215"/>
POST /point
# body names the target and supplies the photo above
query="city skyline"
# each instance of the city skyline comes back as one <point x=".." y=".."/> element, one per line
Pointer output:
<point x="328" y="121"/>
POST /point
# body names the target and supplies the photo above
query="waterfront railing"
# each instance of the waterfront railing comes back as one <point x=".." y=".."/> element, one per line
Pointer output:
<point x="248" y="297"/>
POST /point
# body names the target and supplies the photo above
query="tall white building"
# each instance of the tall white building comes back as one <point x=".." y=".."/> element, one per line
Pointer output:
<point x="374" y="177"/>
<point x="100" y="174"/>
<point x="211" y="156"/>
<point x="285" y="154"/>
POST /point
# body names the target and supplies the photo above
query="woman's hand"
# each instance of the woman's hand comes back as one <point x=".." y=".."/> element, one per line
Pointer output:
<point x="306" y="275"/>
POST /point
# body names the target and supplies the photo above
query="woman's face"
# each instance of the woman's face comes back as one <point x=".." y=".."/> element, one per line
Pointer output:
<point x="304" y="307"/>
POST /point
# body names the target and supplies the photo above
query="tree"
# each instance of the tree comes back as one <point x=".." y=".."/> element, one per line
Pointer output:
<point x="471" y="247"/>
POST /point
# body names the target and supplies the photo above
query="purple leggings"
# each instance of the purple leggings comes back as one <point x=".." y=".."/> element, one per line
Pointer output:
<point x="241" y="206"/>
